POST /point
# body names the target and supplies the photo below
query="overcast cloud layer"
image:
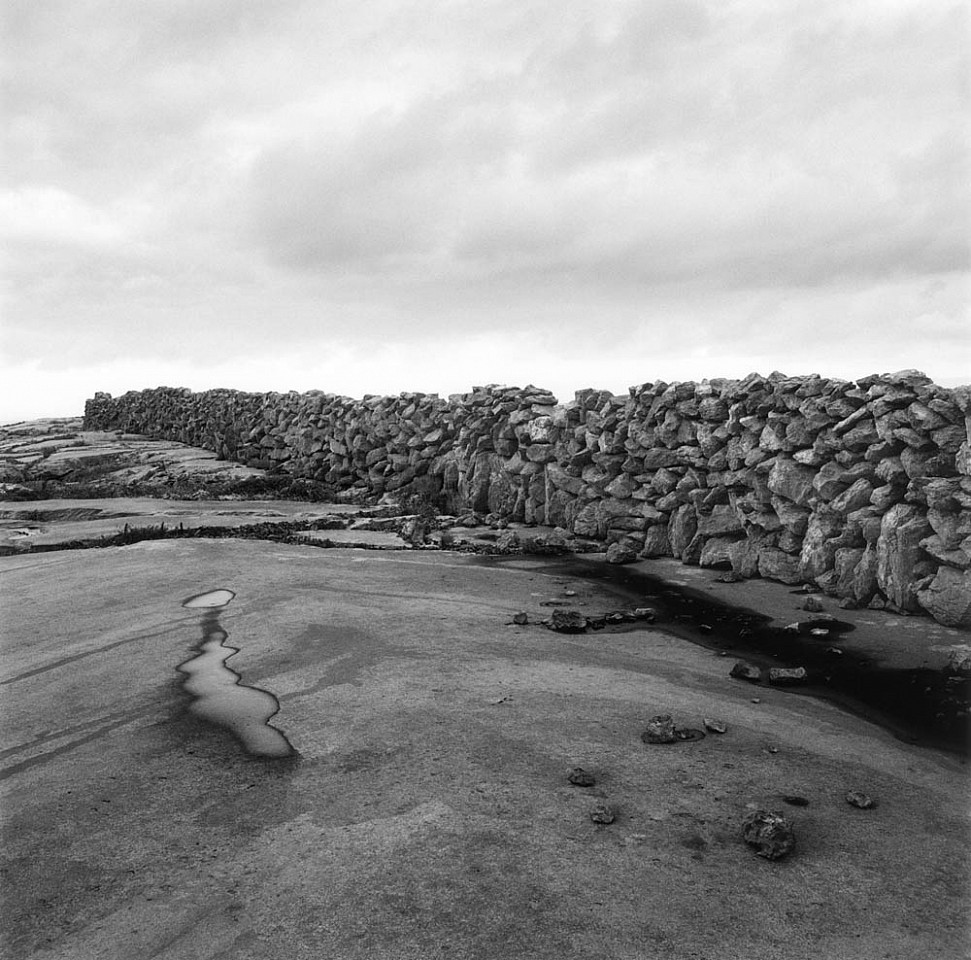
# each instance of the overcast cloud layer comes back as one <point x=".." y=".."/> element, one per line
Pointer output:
<point x="385" y="196"/>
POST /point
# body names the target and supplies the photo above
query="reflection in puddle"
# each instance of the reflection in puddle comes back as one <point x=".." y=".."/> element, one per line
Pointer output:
<point x="218" y="696"/>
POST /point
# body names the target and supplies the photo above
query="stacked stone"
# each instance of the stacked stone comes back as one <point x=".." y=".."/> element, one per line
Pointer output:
<point x="863" y="489"/>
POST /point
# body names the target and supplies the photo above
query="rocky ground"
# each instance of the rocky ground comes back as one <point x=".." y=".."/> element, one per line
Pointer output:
<point x="440" y="679"/>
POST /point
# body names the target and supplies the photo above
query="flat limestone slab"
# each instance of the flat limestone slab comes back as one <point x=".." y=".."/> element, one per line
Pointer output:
<point x="427" y="812"/>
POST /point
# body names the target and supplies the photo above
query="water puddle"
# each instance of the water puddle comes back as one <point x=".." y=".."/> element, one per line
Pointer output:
<point x="218" y="695"/>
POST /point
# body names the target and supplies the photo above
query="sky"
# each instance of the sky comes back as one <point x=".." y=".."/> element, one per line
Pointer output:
<point x="419" y="195"/>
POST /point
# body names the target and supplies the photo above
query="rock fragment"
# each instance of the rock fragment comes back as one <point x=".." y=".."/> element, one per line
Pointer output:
<point x="520" y="618"/>
<point x="618" y="553"/>
<point x="602" y="812"/>
<point x="857" y="798"/>
<point x="788" y="676"/>
<point x="714" y="726"/>
<point x="568" y="621"/>
<point x="660" y="729"/>
<point x="770" y="833"/>
<point x="581" y="778"/>
<point x="746" y="671"/>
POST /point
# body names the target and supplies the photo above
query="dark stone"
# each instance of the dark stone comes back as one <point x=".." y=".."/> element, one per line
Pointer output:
<point x="520" y="618"/>
<point x="603" y="812"/>
<point x="580" y="778"/>
<point x="859" y="799"/>
<point x="689" y="733"/>
<point x="660" y="729"/>
<point x="618" y="553"/>
<point x="715" y="726"/>
<point x="794" y="801"/>
<point x="568" y="621"/>
<point x="771" y="833"/>
<point x="746" y="671"/>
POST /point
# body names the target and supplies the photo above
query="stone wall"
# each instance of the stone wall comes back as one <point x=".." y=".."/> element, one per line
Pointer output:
<point x="863" y="489"/>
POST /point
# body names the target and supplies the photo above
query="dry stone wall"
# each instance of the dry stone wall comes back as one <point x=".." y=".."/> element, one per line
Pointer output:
<point x="862" y="488"/>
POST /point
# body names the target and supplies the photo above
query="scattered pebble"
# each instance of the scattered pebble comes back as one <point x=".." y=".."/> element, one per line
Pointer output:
<point x="773" y="749"/>
<point x="603" y="812"/>
<point x="569" y="593"/>
<point x="858" y="798"/>
<point x="689" y="733"/>
<point x="812" y="604"/>
<point x="771" y="833"/>
<point x="580" y="778"/>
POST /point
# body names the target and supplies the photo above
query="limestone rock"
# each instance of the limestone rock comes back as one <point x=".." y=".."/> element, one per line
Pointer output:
<point x="947" y="598"/>
<point x="746" y="671"/>
<point x="660" y="729"/>
<point x="898" y="552"/>
<point x="568" y="621"/>
<point x="788" y="676"/>
<point x="618" y="553"/>
<point x="770" y="833"/>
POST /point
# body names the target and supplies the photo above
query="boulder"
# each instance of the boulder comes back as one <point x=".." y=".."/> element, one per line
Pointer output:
<point x="898" y="552"/>
<point x="618" y="553"/>
<point x="947" y="598"/>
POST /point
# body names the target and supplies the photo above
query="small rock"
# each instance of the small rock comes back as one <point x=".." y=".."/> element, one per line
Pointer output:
<point x="792" y="627"/>
<point x="771" y="833"/>
<point x="819" y="632"/>
<point x="787" y="676"/>
<point x="746" y="671"/>
<point x="848" y="603"/>
<point x="569" y="593"/>
<point x="615" y="618"/>
<point x="618" y="553"/>
<point x="835" y="650"/>
<point x="813" y="605"/>
<point x="859" y="799"/>
<point x="603" y="812"/>
<point x="773" y="749"/>
<point x="715" y="726"/>
<point x="520" y="618"/>
<point x="568" y="621"/>
<point x="755" y="700"/>
<point x="596" y="623"/>
<point x="580" y="778"/>
<point x="660" y="729"/>
<point x="645" y="613"/>
<point x="728" y="578"/>
<point x="704" y="627"/>
<point x="689" y="733"/>
<point x="794" y="801"/>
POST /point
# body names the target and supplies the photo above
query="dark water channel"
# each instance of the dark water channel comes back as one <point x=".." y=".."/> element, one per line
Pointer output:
<point x="218" y="695"/>
<point x="918" y="705"/>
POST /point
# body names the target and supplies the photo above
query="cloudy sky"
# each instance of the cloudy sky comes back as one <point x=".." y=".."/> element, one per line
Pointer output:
<point x="428" y="195"/>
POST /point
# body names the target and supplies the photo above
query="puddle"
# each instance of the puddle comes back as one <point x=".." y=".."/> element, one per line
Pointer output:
<point x="218" y="695"/>
<point x="918" y="705"/>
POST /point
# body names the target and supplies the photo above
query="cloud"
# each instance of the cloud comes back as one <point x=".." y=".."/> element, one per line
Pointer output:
<point x="208" y="181"/>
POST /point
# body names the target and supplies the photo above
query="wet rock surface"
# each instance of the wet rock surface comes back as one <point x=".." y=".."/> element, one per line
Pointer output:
<point x="431" y="783"/>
